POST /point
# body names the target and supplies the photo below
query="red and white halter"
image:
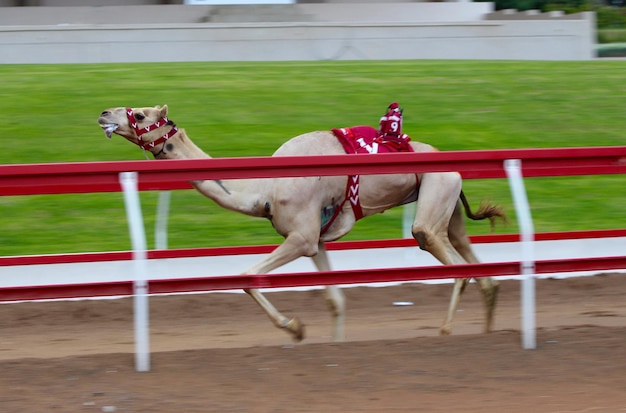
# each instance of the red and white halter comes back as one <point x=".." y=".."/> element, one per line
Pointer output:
<point x="140" y="132"/>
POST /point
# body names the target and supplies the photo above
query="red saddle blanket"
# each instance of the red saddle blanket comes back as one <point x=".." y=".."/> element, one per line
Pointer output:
<point x="363" y="140"/>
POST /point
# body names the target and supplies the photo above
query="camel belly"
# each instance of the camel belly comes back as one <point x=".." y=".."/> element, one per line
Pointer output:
<point x="377" y="193"/>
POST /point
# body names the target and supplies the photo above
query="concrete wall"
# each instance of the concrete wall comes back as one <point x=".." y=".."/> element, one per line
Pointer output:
<point x="102" y="3"/>
<point x="290" y="32"/>
<point x="303" y="12"/>
<point x="88" y="3"/>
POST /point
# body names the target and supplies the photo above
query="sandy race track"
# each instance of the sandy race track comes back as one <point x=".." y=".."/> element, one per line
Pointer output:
<point x="218" y="353"/>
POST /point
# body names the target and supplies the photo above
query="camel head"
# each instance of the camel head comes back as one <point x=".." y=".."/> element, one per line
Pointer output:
<point x="142" y="126"/>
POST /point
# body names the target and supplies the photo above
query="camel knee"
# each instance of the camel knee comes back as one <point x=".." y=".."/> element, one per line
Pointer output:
<point x="306" y="247"/>
<point x="430" y="241"/>
<point x="423" y="237"/>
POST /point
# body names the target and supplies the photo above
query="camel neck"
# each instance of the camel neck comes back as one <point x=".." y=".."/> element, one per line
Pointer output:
<point x="240" y="195"/>
<point x="179" y="147"/>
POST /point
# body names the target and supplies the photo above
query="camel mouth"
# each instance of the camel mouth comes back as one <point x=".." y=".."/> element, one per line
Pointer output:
<point x="109" y="128"/>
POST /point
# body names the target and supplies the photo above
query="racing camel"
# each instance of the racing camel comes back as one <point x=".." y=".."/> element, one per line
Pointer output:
<point x="309" y="211"/>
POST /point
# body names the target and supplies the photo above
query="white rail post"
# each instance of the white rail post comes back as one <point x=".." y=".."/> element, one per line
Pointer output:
<point x="160" y="226"/>
<point x="128" y="180"/>
<point x="513" y="168"/>
<point x="408" y="216"/>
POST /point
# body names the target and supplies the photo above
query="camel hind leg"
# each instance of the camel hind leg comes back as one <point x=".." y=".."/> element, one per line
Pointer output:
<point x="488" y="286"/>
<point x="437" y="203"/>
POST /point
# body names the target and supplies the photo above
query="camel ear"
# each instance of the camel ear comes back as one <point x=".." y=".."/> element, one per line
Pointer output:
<point x="163" y="111"/>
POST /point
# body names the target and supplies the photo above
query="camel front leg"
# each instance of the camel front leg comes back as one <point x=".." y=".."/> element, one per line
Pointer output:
<point x="292" y="326"/>
<point x="294" y="246"/>
<point x="334" y="296"/>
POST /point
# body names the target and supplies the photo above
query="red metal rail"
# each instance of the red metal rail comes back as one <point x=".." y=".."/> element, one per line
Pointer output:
<point x="306" y="279"/>
<point x="164" y="175"/>
<point x="173" y="174"/>
<point x="265" y="249"/>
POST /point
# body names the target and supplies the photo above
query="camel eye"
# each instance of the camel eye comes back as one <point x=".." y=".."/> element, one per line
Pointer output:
<point x="139" y="116"/>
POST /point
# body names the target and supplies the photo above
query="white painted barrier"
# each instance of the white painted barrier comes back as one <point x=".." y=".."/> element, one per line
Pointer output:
<point x="301" y="32"/>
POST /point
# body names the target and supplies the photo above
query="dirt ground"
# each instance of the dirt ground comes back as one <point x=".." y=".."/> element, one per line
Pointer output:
<point x="218" y="353"/>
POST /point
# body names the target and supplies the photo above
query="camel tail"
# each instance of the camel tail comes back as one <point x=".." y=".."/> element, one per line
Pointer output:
<point x="485" y="211"/>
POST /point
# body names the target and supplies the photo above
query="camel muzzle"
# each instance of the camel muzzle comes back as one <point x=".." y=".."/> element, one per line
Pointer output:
<point x="109" y="128"/>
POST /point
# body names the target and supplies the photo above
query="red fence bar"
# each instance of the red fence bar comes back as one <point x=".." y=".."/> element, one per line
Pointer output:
<point x="405" y="274"/>
<point x="173" y="174"/>
<point x="265" y="249"/>
<point x="307" y="279"/>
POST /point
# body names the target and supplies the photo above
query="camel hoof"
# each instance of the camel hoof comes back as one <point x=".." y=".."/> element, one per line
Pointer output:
<point x="296" y="329"/>
<point x="445" y="331"/>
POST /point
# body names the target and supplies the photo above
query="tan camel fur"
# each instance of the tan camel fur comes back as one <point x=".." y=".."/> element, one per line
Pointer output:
<point x="294" y="205"/>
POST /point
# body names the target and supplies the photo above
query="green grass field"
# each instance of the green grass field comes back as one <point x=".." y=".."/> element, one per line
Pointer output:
<point x="48" y="114"/>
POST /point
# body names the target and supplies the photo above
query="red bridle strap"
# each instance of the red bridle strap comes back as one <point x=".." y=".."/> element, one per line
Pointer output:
<point x="140" y="132"/>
